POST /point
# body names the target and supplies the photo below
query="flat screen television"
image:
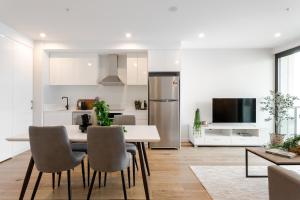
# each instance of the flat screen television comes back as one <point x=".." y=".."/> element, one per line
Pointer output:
<point x="234" y="110"/>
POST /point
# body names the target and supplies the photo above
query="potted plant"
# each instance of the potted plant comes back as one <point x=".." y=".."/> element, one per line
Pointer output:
<point x="197" y="123"/>
<point x="278" y="105"/>
<point x="292" y="144"/>
<point x="102" y="111"/>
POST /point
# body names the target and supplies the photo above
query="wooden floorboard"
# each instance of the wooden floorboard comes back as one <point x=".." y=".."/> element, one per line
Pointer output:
<point x="171" y="176"/>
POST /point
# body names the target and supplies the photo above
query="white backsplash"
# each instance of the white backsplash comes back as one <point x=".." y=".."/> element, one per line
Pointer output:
<point x="118" y="97"/>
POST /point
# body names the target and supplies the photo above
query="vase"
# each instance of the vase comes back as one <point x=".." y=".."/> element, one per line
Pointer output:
<point x="276" y="139"/>
<point x="197" y="132"/>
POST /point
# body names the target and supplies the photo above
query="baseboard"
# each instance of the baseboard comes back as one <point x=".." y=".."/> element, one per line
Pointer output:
<point x="185" y="140"/>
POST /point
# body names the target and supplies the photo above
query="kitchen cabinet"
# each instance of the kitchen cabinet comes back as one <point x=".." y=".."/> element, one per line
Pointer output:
<point x="22" y="94"/>
<point x="164" y="60"/>
<point x="137" y="69"/>
<point x="57" y="118"/>
<point x="6" y="101"/>
<point x="73" y="69"/>
<point x="16" y="71"/>
<point x="141" y="116"/>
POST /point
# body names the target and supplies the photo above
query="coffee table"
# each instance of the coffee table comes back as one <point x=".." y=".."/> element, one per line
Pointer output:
<point x="277" y="160"/>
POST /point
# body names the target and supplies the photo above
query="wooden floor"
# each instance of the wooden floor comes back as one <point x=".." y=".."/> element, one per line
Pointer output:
<point x="171" y="176"/>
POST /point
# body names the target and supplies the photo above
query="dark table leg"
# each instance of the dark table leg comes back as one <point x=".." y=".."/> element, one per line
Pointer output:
<point x="247" y="168"/>
<point x="142" y="163"/>
<point x="146" y="159"/>
<point x="246" y="156"/>
<point x="27" y="178"/>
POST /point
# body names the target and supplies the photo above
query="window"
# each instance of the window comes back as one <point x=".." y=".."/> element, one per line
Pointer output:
<point x="288" y="82"/>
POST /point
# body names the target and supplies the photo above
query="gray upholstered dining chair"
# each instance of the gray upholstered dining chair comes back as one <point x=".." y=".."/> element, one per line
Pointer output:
<point x="130" y="147"/>
<point x="107" y="152"/>
<point x="52" y="153"/>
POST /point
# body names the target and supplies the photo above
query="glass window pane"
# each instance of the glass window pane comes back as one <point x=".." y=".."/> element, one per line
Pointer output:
<point x="289" y="83"/>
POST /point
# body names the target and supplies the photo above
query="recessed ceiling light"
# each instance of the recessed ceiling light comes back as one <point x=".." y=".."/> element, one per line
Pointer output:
<point x="176" y="62"/>
<point x="277" y="35"/>
<point x="89" y="64"/>
<point x="43" y="35"/>
<point x="172" y="8"/>
<point x="128" y="35"/>
<point x="201" y="35"/>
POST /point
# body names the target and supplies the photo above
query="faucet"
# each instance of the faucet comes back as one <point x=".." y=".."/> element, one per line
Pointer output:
<point x="67" y="106"/>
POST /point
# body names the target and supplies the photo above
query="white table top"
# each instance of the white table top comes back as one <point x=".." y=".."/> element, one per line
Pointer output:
<point x="136" y="133"/>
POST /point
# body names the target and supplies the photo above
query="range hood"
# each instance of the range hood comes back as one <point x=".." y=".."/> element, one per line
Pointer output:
<point x="110" y="63"/>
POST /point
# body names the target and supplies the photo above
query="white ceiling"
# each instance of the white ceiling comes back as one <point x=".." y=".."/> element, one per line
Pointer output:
<point x="226" y="23"/>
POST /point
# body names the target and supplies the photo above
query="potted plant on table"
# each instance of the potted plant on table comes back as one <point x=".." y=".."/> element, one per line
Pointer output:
<point x="102" y="112"/>
<point x="292" y="144"/>
<point x="278" y="105"/>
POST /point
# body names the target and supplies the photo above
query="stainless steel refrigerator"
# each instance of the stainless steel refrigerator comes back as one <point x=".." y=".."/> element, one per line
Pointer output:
<point x="164" y="107"/>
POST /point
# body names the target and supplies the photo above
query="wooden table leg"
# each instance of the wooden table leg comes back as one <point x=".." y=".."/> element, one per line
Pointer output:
<point x="27" y="178"/>
<point x="142" y="163"/>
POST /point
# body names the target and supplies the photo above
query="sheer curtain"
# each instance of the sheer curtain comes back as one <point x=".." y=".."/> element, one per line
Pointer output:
<point x="289" y="83"/>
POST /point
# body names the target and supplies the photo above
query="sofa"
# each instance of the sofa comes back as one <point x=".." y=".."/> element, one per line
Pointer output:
<point x="283" y="184"/>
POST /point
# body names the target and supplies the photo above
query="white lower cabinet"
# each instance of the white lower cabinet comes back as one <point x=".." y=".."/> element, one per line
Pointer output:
<point x="217" y="140"/>
<point x="16" y="69"/>
<point x="214" y="135"/>
<point x="141" y="116"/>
<point x="57" y="118"/>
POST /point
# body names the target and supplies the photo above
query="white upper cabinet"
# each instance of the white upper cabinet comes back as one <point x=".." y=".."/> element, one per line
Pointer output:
<point x="73" y="69"/>
<point x="137" y="69"/>
<point x="164" y="60"/>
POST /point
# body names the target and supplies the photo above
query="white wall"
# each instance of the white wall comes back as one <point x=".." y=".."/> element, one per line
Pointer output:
<point x="210" y="73"/>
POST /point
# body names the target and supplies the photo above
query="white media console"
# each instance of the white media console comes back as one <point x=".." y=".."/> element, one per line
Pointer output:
<point x="227" y="135"/>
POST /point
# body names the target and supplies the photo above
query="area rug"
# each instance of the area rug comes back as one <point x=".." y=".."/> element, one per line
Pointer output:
<point x="230" y="183"/>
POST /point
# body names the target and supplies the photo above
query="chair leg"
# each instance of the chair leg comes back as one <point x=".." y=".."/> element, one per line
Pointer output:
<point x="128" y="174"/>
<point x="105" y="175"/>
<point x="69" y="185"/>
<point x="53" y="181"/>
<point x="59" y="177"/>
<point x="91" y="185"/>
<point x="89" y="172"/>
<point x="123" y="184"/>
<point x="36" y="185"/>
<point x="136" y="164"/>
<point x="99" y="179"/>
<point x="133" y="169"/>
<point x="83" y="173"/>
<point x="146" y="159"/>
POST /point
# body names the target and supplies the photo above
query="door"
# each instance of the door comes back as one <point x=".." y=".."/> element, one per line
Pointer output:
<point x="165" y="115"/>
<point x="163" y="87"/>
<point x="22" y="93"/>
<point x="6" y="101"/>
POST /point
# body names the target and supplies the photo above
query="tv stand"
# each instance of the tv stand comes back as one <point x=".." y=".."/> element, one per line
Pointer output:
<point x="227" y="135"/>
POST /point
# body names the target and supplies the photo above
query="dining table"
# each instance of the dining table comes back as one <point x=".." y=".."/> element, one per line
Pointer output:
<point x="138" y="134"/>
